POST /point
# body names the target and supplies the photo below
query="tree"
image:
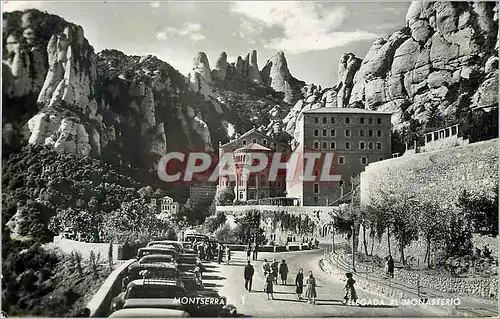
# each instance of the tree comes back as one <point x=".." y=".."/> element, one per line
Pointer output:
<point x="480" y="211"/>
<point x="432" y="223"/>
<point x="248" y="228"/>
<point x="224" y="196"/>
<point x="213" y="222"/>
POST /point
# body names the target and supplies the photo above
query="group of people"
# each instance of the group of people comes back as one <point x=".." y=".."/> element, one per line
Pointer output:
<point x="253" y="250"/>
<point x="271" y="271"/>
<point x="208" y="250"/>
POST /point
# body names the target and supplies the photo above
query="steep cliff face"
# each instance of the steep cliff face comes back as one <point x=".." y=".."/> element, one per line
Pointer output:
<point x="439" y="60"/>
<point x="440" y="67"/>
<point x="124" y="108"/>
<point x="277" y="75"/>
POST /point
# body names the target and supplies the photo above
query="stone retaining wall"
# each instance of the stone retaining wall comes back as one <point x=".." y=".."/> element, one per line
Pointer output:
<point x="100" y="304"/>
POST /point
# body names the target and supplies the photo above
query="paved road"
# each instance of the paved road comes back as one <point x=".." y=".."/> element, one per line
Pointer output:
<point x="228" y="280"/>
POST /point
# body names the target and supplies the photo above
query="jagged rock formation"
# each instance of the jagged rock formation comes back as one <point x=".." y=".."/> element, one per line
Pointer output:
<point x="123" y="108"/>
<point x="221" y="66"/>
<point x="443" y="63"/>
<point x="201" y="76"/>
<point x="432" y="62"/>
<point x="277" y="75"/>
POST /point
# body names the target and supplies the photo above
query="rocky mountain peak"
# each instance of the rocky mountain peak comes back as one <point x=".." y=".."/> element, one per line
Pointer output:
<point x="220" y="71"/>
<point x="277" y="75"/>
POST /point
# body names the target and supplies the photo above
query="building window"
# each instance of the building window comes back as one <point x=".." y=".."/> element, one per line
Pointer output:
<point x="362" y="133"/>
<point x="316" y="132"/>
<point x="347" y="120"/>
<point x="325" y="133"/>
<point x="370" y="120"/>
<point x="316" y="199"/>
<point x="241" y="195"/>
<point x="332" y="145"/>
<point x="364" y="160"/>
<point x="362" y="120"/>
<point x="254" y="141"/>
<point x="379" y="145"/>
<point x="347" y="133"/>
<point x="370" y="145"/>
<point x="379" y="133"/>
<point x="244" y="142"/>
<point x="332" y="120"/>
<point x="273" y="144"/>
<point x="379" y="120"/>
<point x="316" y="188"/>
<point x="361" y="145"/>
<point x="341" y="183"/>
<point x="325" y="120"/>
<point x="380" y="158"/>
<point x="347" y="145"/>
<point x="168" y="207"/>
<point x="325" y="145"/>
<point x="332" y="132"/>
<point x="264" y="141"/>
<point x="370" y="133"/>
<point x="341" y="160"/>
<point x="316" y="145"/>
<point x="316" y="120"/>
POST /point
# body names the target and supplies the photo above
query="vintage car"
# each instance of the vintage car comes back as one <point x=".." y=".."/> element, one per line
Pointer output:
<point x="154" y="250"/>
<point x="157" y="271"/>
<point x="149" y="313"/>
<point x="173" y="243"/>
<point x="167" y="294"/>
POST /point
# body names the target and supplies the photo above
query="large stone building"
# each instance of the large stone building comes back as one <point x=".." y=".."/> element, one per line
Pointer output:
<point x="202" y="193"/>
<point x="255" y="186"/>
<point x="356" y="137"/>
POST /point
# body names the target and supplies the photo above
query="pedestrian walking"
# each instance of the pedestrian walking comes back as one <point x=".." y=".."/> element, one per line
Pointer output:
<point x="283" y="271"/>
<point x="268" y="288"/>
<point x="228" y="254"/>
<point x="255" y="251"/>
<point x="249" y="271"/>
<point x="350" y="293"/>
<point x="299" y="283"/>
<point x="311" y="288"/>
<point x="248" y="250"/>
<point x="266" y="268"/>
<point x="274" y="270"/>
<point x="316" y="243"/>
<point x="390" y="266"/>
<point x="220" y="252"/>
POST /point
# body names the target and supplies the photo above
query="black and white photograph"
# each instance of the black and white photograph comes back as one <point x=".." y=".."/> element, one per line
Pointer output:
<point x="268" y="159"/>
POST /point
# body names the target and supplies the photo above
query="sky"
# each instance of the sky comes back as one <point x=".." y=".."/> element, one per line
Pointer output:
<point x="313" y="35"/>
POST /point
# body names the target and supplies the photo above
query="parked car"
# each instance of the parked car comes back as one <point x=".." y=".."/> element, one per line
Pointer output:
<point x="174" y="243"/>
<point x="156" y="271"/>
<point x="156" y="251"/>
<point x="166" y="294"/>
<point x="149" y="313"/>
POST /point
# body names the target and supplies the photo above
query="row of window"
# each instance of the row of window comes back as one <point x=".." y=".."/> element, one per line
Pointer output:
<point x="241" y="182"/>
<point x="333" y="145"/>
<point x="167" y="207"/>
<point x="347" y="120"/>
<point x="347" y="133"/>
<point x="251" y="195"/>
<point x="364" y="160"/>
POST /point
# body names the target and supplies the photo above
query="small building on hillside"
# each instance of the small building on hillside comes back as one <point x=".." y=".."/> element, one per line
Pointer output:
<point x="165" y="206"/>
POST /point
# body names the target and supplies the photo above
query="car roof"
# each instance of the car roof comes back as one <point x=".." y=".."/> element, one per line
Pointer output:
<point x="155" y="282"/>
<point x="148" y="313"/>
<point x="168" y="242"/>
<point x="155" y="265"/>
<point x="158" y="248"/>
<point x="159" y="256"/>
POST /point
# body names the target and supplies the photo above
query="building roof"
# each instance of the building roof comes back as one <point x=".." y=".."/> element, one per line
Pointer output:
<point x="350" y="110"/>
<point x="253" y="146"/>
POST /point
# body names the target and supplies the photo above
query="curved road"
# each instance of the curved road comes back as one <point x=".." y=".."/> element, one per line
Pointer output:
<point x="228" y="281"/>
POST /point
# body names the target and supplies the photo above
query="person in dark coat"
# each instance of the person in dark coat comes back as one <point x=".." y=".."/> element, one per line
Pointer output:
<point x="390" y="267"/>
<point x="299" y="283"/>
<point x="255" y="251"/>
<point x="283" y="271"/>
<point x="274" y="270"/>
<point x="220" y="253"/>
<point x="249" y="271"/>
<point x="350" y="293"/>
<point x="268" y="288"/>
